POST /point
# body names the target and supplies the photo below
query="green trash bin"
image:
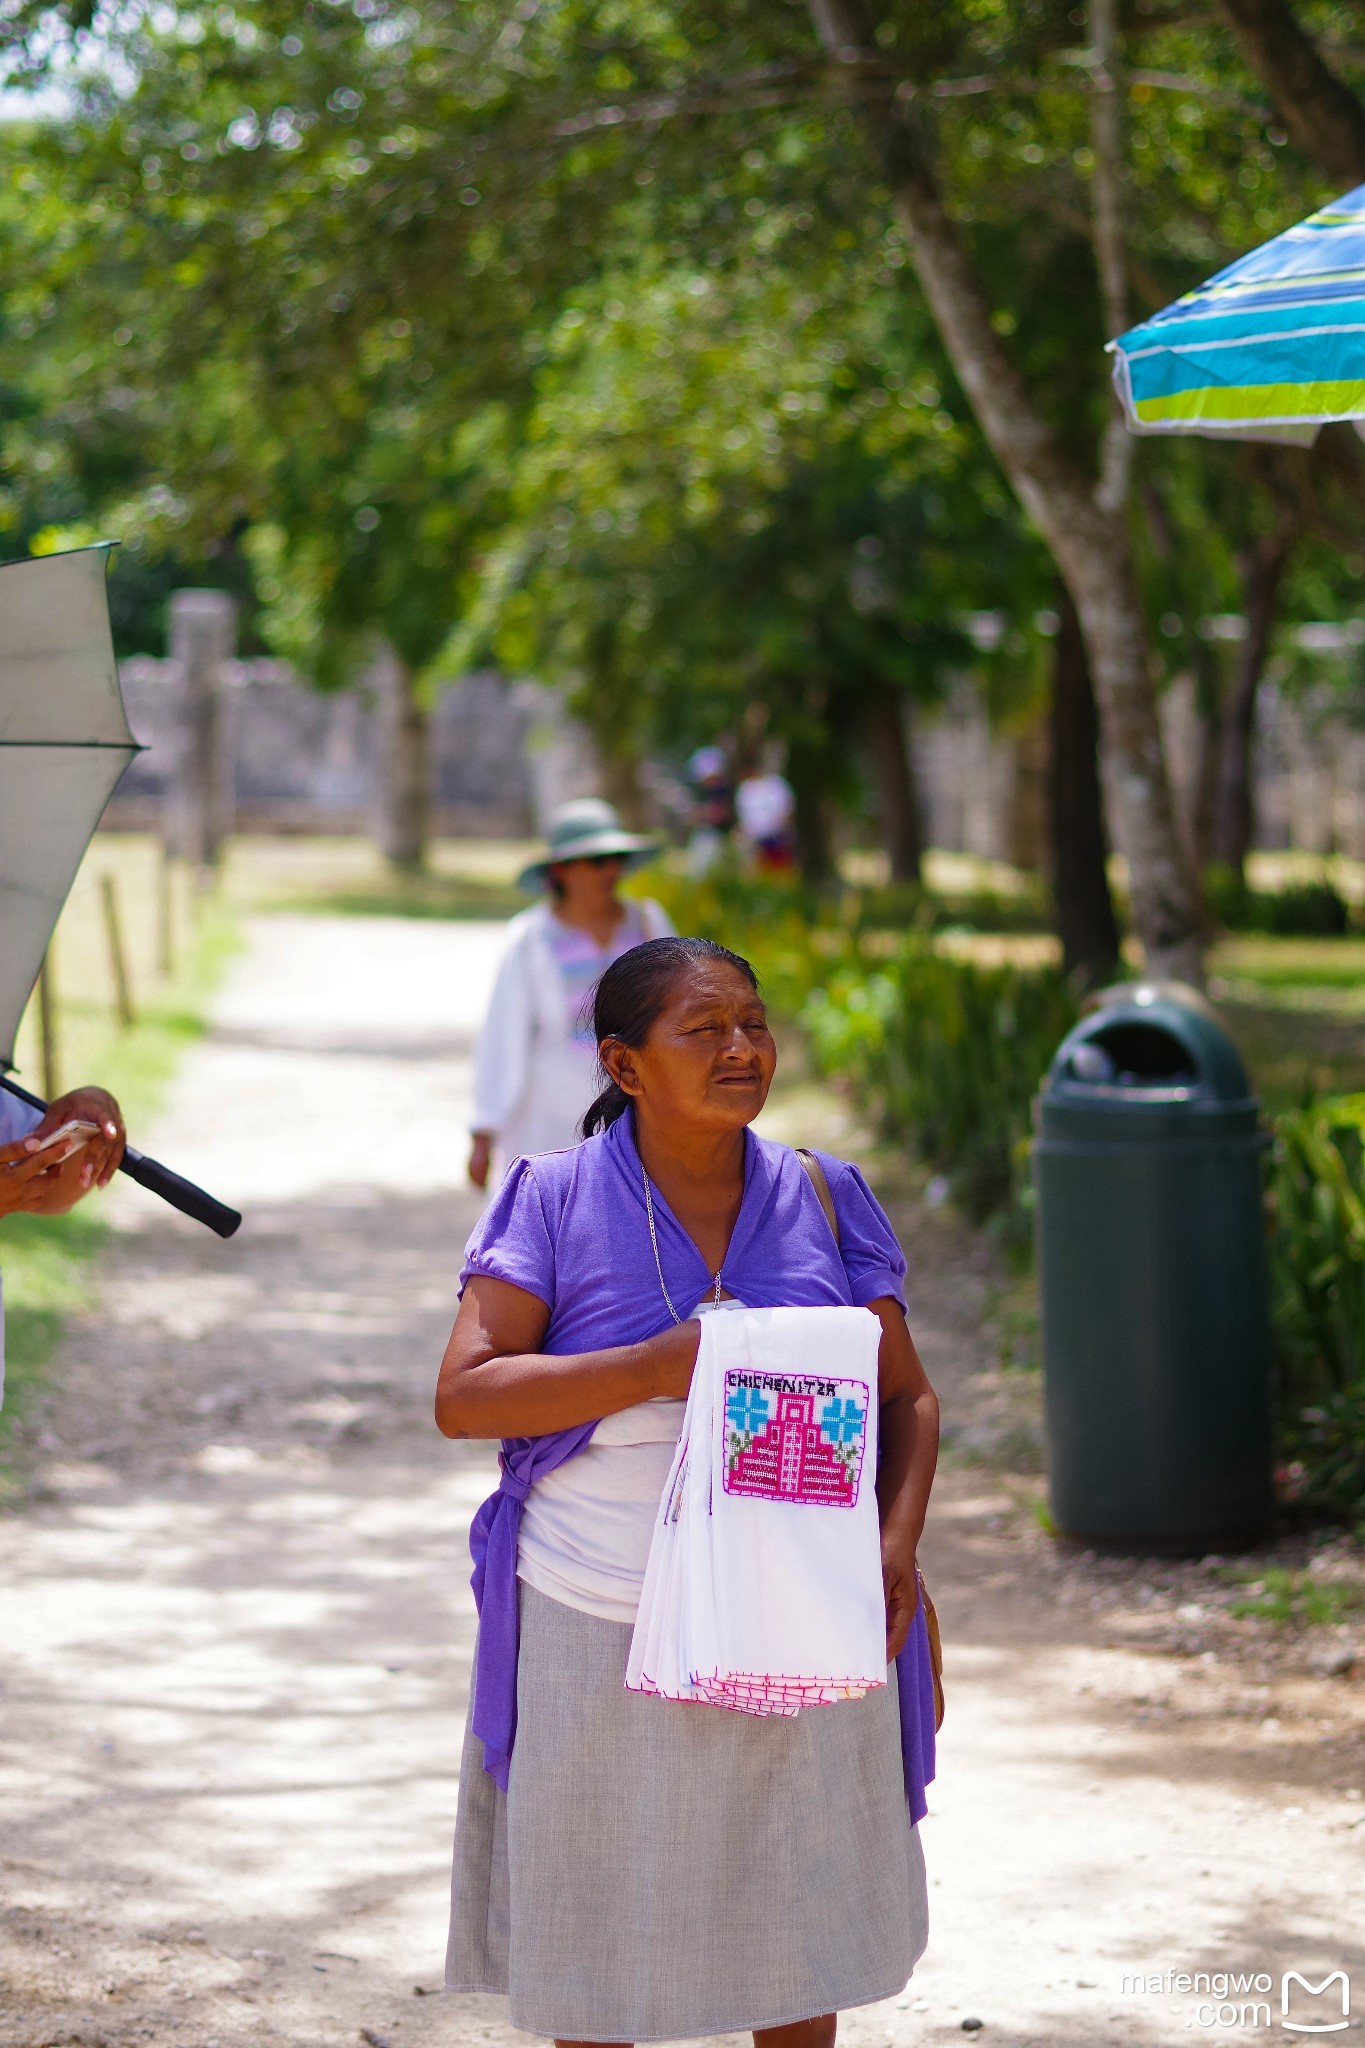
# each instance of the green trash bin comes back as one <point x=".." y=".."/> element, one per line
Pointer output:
<point x="1151" y="1262"/>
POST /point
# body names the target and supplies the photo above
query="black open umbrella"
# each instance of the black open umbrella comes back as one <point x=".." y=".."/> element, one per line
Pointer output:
<point x="64" y="743"/>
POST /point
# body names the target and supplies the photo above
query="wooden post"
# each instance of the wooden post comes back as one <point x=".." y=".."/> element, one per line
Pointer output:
<point x="118" y="959"/>
<point x="165" y="912"/>
<point x="47" y="1027"/>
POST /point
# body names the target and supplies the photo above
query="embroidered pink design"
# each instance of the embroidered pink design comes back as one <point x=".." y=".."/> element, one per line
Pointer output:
<point x="795" y="1439"/>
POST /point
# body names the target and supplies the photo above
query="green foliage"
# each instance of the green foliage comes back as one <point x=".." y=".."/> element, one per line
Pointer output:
<point x="950" y="1054"/>
<point x="1303" y="910"/>
<point x="736" y="499"/>
<point x="1045" y="1519"/>
<point x="1316" y="1199"/>
<point x="793" y="938"/>
<point x="947" y="1054"/>
<point x="1296" y="1598"/>
<point x="898" y="906"/>
<point x="47" y="1260"/>
<point x="585" y="334"/>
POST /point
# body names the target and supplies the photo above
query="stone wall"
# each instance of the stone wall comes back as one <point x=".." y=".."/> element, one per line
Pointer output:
<point x="298" y="759"/>
<point x="980" y="792"/>
<point x="985" y="794"/>
<point x="1310" y="769"/>
<point x="505" y="754"/>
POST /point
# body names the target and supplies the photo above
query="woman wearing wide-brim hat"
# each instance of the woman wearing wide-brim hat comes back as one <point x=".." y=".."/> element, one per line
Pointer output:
<point x="536" y="1063"/>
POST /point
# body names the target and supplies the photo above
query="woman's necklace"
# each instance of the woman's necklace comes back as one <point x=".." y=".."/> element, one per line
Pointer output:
<point x="658" y="1263"/>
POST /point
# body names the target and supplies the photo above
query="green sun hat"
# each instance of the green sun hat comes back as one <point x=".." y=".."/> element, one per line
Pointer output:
<point x="587" y="829"/>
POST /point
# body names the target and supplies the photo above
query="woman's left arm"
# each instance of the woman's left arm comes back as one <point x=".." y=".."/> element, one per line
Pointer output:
<point x="908" y="1434"/>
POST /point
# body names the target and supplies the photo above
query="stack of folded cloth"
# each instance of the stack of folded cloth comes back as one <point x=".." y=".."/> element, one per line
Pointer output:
<point x="763" y="1591"/>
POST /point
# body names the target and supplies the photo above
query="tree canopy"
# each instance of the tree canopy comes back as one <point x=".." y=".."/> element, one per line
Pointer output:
<point x="702" y="357"/>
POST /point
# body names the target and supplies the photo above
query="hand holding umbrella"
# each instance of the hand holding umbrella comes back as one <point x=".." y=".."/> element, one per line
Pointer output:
<point x="64" y="743"/>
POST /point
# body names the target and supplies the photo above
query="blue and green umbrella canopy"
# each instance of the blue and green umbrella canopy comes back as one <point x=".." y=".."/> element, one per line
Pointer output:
<point x="1268" y="350"/>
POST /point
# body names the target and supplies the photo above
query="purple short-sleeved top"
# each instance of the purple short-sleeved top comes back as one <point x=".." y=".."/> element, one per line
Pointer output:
<point x="572" y="1228"/>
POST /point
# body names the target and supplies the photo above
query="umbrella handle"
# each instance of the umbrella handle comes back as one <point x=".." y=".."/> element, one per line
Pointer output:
<point x="156" y="1178"/>
<point x="181" y="1194"/>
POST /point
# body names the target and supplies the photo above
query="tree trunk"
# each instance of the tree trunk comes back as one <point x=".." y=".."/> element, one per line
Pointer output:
<point x="1108" y="232"/>
<point x="1263" y="568"/>
<point x="1324" y="117"/>
<point x="889" y="745"/>
<point x="621" y="781"/>
<point x="1089" y="541"/>
<point x="1086" y="924"/>
<point x="1209" y="713"/>
<point x="808" y="774"/>
<point x="405" y="762"/>
<point x="203" y="628"/>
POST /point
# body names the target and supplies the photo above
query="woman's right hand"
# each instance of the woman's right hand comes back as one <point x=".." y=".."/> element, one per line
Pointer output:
<point x="677" y="1351"/>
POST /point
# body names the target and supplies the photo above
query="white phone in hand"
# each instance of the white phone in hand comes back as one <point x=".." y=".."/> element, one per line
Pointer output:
<point x="75" y="1133"/>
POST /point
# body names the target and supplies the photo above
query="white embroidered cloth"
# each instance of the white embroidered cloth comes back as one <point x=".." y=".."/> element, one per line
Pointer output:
<point x="763" y="1591"/>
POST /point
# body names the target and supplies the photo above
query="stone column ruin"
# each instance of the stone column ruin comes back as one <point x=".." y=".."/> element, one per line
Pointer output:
<point x="203" y="633"/>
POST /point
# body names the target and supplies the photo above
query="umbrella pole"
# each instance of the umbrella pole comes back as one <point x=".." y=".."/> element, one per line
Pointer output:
<point x="157" y="1179"/>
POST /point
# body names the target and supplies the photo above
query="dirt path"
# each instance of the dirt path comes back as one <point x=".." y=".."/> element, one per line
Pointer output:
<point x="235" y="1624"/>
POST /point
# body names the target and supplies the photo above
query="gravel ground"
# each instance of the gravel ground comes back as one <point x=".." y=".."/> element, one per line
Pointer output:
<point x="235" y="1625"/>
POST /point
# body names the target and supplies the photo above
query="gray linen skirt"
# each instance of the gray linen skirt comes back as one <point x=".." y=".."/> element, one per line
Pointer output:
<point x="660" y="1870"/>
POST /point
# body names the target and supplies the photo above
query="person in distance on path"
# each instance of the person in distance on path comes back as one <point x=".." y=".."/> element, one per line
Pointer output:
<point x="535" y="1067"/>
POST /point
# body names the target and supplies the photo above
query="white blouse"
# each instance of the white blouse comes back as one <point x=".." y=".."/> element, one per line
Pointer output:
<point x="535" y="1070"/>
<point x="587" y="1526"/>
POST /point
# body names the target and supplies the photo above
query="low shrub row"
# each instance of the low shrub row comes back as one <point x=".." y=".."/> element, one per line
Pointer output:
<point x="948" y="1056"/>
<point x="1315" y="1198"/>
<point x="1303" y="910"/>
<point x="945" y="1054"/>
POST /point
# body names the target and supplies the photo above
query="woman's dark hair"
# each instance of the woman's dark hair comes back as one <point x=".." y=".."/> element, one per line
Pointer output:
<point x="631" y="997"/>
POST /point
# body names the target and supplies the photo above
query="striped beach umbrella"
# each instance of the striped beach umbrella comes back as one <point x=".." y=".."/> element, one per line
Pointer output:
<point x="1268" y="350"/>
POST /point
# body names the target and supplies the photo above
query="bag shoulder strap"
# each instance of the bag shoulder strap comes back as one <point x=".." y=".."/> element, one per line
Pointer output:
<point x="819" y="1180"/>
<point x="815" y="1174"/>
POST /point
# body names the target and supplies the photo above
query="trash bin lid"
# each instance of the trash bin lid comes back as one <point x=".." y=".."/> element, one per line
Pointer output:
<point x="1148" y="1044"/>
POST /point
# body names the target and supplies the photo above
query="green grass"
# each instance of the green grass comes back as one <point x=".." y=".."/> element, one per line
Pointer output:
<point x="1295" y="1599"/>
<point x="48" y="1260"/>
<point x="422" y="896"/>
<point x="1347" y="973"/>
<point x="463" y="879"/>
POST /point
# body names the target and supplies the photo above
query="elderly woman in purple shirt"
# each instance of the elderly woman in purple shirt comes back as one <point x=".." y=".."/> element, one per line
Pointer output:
<point x="629" y="1868"/>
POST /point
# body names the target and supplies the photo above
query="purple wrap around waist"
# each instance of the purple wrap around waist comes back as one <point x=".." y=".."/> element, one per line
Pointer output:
<point x="493" y="1546"/>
